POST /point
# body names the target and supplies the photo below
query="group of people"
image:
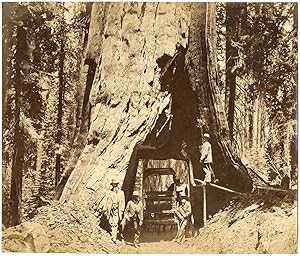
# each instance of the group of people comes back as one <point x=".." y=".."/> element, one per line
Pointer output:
<point x="112" y="205"/>
<point x="119" y="216"/>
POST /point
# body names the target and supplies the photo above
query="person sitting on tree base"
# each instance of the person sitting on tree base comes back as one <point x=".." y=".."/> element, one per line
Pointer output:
<point x="179" y="187"/>
<point x="182" y="214"/>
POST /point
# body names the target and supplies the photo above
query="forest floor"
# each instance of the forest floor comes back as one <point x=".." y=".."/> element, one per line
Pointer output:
<point x="259" y="222"/>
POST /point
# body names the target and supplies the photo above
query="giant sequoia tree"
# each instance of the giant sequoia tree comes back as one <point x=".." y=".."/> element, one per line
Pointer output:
<point x="149" y="64"/>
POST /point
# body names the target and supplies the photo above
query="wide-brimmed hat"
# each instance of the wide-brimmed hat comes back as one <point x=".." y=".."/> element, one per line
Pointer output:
<point x="114" y="181"/>
<point x="206" y="135"/>
<point x="135" y="193"/>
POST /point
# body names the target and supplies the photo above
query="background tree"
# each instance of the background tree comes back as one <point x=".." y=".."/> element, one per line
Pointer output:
<point x="36" y="96"/>
<point x="261" y="75"/>
<point x="236" y="21"/>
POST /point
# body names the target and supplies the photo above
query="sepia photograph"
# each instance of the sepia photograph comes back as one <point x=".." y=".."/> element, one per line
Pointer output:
<point x="149" y="127"/>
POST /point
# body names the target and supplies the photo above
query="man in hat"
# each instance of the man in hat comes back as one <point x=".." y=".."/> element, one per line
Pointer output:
<point x="182" y="214"/>
<point x="115" y="208"/>
<point x="206" y="159"/>
<point x="133" y="214"/>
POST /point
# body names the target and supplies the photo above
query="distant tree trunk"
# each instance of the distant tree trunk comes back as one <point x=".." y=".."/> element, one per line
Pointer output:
<point x="293" y="143"/>
<point x="18" y="151"/>
<point x="6" y="70"/>
<point x="235" y="13"/>
<point x="39" y="153"/>
<point x="61" y="91"/>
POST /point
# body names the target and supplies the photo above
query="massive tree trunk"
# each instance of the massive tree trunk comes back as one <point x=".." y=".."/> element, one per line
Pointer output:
<point x="201" y="58"/>
<point x="155" y="70"/>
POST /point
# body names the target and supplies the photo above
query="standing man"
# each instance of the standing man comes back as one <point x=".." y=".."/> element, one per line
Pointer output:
<point x="134" y="214"/>
<point x="182" y="214"/>
<point x="206" y="159"/>
<point x="115" y="208"/>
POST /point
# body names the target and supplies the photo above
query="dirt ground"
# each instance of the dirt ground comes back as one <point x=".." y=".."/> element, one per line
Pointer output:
<point x="257" y="223"/>
<point x="254" y="229"/>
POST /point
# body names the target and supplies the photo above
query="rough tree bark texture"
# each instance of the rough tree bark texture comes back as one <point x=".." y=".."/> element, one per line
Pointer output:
<point x="202" y="67"/>
<point x="125" y="100"/>
<point x="126" y="97"/>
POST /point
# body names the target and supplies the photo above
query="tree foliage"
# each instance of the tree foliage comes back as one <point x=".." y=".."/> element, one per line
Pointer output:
<point x="265" y="64"/>
<point x="43" y="25"/>
<point x="269" y="55"/>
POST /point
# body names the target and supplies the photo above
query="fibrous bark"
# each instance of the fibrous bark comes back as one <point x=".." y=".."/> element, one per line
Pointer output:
<point x="201" y="60"/>
<point x="142" y="95"/>
<point x="125" y="99"/>
<point x="235" y="12"/>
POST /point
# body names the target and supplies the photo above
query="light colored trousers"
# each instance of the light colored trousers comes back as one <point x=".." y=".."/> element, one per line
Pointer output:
<point x="180" y="236"/>
<point x="114" y="223"/>
<point x="209" y="173"/>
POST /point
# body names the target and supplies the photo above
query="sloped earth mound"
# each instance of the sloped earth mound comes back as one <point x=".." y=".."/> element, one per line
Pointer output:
<point x="261" y="222"/>
<point x="59" y="228"/>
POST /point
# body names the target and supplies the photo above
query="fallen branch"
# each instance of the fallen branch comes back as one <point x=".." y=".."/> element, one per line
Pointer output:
<point x="225" y="189"/>
<point x="258" y="176"/>
<point x="79" y="222"/>
<point x="45" y="200"/>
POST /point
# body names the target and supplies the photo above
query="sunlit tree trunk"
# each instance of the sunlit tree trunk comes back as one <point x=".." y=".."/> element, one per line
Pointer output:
<point x="127" y="109"/>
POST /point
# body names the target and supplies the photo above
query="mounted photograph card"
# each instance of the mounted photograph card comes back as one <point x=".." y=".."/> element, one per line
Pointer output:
<point x="149" y="127"/>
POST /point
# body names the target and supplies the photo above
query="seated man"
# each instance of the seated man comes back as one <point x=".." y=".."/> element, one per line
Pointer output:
<point x="182" y="214"/>
<point x="180" y="188"/>
<point x="176" y="182"/>
<point x="133" y="214"/>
